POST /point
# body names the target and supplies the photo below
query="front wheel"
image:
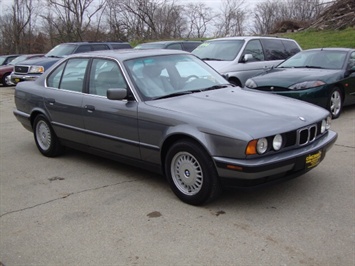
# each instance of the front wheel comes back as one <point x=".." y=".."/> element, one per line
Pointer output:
<point x="335" y="103"/>
<point x="6" y="80"/>
<point x="191" y="173"/>
<point x="45" y="138"/>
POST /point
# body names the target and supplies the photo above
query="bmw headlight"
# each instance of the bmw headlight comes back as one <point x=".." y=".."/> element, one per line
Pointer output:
<point x="277" y="142"/>
<point x="36" y="69"/>
<point x="250" y="84"/>
<point x="307" y="85"/>
<point x="326" y="124"/>
<point x="261" y="145"/>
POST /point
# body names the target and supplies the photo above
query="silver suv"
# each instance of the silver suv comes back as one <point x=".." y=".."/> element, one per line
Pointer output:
<point x="240" y="58"/>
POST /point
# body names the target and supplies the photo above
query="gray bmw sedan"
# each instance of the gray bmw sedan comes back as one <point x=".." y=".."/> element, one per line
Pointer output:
<point x="169" y="112"/>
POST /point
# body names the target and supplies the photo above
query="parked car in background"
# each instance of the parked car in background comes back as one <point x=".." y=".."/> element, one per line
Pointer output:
<point x="174" y="45"/>
<point x="169" y="112"/>
<point x="5" y="59"/>
<point x="325" y="77"/>
<point x="239" y="58"/>
<point x="6" y="70"/>
<point x="31" y="69"/>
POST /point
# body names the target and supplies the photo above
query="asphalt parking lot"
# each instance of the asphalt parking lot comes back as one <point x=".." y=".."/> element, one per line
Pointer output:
<point x="79" y="209"/>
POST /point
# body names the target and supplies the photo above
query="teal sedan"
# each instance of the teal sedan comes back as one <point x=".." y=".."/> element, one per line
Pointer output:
<point x="324" y="76"/>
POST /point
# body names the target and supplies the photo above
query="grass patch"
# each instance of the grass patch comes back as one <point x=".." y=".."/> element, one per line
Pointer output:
<point x="325" y="38"/>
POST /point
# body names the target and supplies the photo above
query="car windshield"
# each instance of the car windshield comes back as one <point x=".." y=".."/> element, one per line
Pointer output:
<point x="62" y="50"/>
<point x="150" y="46"/>
<point x="2" y="59"/>
<point x="172" y="75"/>
<point x="327" y="59"/>
<point x="225" y="50"/>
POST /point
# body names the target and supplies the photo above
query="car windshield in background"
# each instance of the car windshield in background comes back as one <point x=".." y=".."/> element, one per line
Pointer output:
<point x="225" y="50"/>
<point x="2" y="60"/>
<point x="61" y="50"/>
<point x="172" y="75"/>
<point x="326" y="59"/>
<point x="18" y="59"/>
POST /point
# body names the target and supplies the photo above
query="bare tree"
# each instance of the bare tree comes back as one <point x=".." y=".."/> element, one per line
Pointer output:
<point x="231" y="19"/>
<point x="146" y="19"/>
<point x="198" y="16"/>
<point x="72" y="19"/>
<point x="16" y="26"/>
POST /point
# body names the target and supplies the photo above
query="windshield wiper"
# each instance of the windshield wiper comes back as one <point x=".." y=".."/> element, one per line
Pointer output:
<point x="215" y="87"/>
<point x="211" y="59"/>
<point x="179" y="93"/>
<point x="318" y="67"/>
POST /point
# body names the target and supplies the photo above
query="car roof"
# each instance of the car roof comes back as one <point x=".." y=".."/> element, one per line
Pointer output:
<point x="168" y="42"/>
<point x="246" y="38"/>
<point x="330" y="49"/>
<point x="77" y="43"/>
<point x="124" y="54"/>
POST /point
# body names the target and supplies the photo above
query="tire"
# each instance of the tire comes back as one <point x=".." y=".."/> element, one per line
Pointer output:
<point x="335" y="103"/>
<point x="45" y="138"/>
<point x="191" y="173"/>
<point x="5" y="80"/>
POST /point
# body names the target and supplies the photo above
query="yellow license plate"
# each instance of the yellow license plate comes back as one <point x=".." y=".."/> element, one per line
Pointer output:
<point x="313" y="160"/>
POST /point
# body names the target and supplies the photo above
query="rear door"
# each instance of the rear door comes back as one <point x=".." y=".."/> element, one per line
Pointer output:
<point x="63" y="99"/>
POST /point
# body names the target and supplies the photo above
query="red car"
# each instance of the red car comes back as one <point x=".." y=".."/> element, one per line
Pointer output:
<point x="5" y="70"/>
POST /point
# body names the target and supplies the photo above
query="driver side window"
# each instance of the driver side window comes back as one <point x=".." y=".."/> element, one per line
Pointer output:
<point x="105" y="74"/>
<point x="254" y="48"/>
<point x="351" y="63"/>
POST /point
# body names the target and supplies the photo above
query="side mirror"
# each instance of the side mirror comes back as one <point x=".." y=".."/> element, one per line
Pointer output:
<point x="247" y="58"/>
<point x="116" y="94"/>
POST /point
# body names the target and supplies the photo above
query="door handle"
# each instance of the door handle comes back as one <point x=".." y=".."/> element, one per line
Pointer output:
<point x="89" y="108"/>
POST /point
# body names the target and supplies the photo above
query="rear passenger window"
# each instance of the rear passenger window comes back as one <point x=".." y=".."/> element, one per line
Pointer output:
<point x="83" y="48"/>
<point x="69" y="75"/>
<point x="274" y="49"/>
<point x="174" y="46"/>
<point x="254" y="48"/>
<point x="99" y="47"/>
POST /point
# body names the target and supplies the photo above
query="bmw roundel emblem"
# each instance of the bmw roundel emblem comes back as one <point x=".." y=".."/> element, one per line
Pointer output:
<point x="302" y="118"/>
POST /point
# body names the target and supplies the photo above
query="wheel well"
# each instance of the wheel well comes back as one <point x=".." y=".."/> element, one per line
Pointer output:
<point x="34" y="115"/>
<point x="340" y="86"/>
<point x="235" y="81"/>
<point x="170" y="141"/>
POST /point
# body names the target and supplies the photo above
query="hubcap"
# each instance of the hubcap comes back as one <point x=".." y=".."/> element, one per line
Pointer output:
<point x="187" y="173"/>
<point x="43" y="135"/>
<point x="335" y="103"/>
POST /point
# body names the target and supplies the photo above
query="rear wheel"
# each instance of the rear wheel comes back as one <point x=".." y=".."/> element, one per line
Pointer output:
<point x="335" y="103"/>
<point x="191" y="173"/>
<point x="45" y="138"/>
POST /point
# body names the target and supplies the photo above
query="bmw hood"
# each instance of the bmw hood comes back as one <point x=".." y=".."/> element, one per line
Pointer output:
<point x="285" y="77"/>
<point x="234" y="109"/>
